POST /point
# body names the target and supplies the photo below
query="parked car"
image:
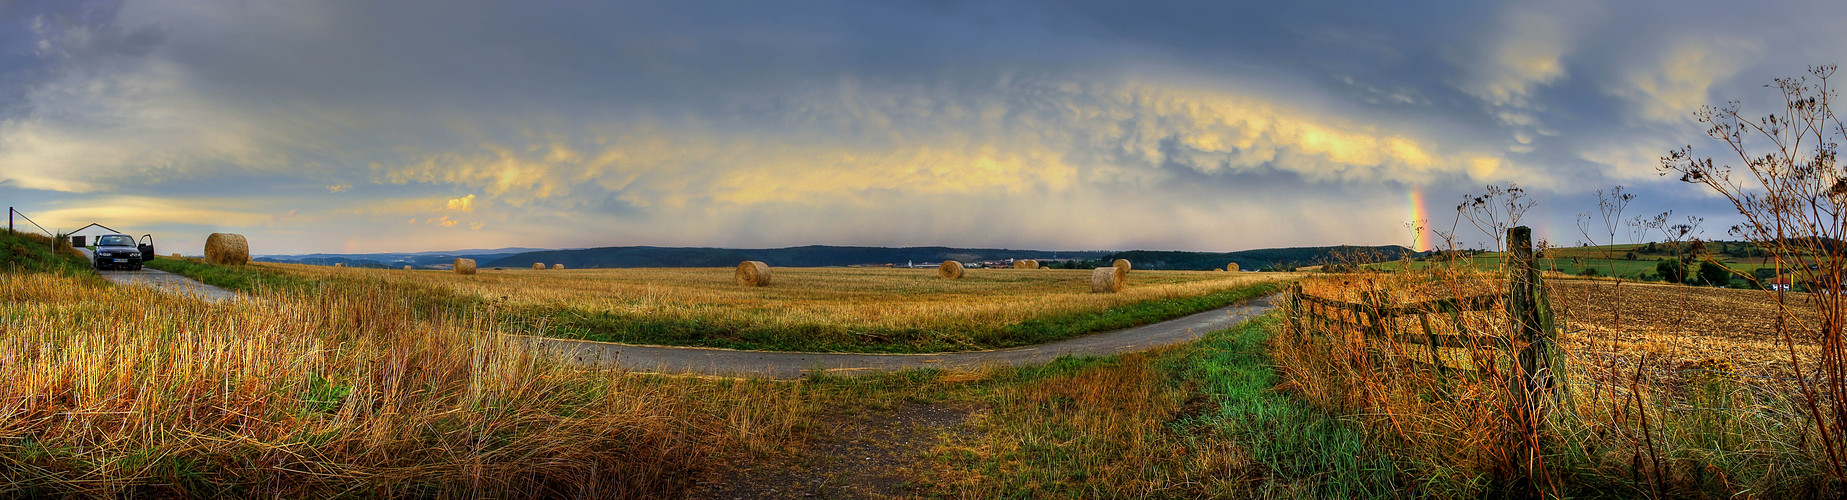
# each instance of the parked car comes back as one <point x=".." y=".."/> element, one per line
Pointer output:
<point x="119" y="251"/>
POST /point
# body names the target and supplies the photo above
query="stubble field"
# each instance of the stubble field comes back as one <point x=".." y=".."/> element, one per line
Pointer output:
<point x="822" y="309"/>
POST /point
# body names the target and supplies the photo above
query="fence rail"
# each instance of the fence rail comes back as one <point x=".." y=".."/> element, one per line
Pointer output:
<point x="1529" y="344"/>
<point x="1372" y="319"/>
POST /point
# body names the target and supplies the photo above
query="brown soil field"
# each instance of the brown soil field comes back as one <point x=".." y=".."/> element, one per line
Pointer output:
<point x="1682" y="326"/>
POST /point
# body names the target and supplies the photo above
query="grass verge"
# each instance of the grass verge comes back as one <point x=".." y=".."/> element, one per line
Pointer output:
<point x="30" y="253"/>
<point x="248" y="279"/>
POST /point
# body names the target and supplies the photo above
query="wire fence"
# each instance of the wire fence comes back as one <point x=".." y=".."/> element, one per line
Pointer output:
<point x="10" y="213"/>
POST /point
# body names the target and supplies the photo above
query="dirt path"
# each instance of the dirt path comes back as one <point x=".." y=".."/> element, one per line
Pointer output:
<point x="788" y="365"/>
<point x="869" y="455"/>
<point x="170" y="283"/>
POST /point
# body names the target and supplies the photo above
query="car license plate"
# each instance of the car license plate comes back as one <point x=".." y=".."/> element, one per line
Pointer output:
<point x="122" y="260"/>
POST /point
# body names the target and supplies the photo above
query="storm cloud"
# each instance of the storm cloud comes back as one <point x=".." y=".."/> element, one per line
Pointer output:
<point x="374" y="126"/>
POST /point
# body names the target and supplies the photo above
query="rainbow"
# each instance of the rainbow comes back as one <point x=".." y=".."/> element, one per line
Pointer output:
<point x="1419" y="216"/>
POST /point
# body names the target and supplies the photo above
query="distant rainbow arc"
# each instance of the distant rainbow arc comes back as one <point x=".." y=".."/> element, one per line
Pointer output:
<point x="1419" y="213"/>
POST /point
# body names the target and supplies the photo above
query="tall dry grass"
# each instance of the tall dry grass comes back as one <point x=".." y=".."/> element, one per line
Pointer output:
<point x="123" y="391"/>
<point x="1621" y="425"/>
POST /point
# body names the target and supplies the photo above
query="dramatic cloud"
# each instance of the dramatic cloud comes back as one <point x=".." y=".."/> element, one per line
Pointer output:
<point x="345" y="126"/>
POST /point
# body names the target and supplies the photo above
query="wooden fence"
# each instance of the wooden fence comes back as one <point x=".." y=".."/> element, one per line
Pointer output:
<point x="1374" y="320"/>
<point x="1529" y="343"/>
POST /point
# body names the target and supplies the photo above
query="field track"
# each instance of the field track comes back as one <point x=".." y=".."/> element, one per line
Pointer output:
<point x="786" y="365"/>
<point x="169" y="283"/>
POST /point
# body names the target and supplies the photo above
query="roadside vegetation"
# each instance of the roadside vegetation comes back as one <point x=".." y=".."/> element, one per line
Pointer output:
<point x="123" y="391"/>
<point x="28" y="252"/>
<point x="360" y="385"/>
<point x="1197" y="421"/>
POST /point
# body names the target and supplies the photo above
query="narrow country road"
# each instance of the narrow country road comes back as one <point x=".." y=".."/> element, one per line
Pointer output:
<point x="789" y="365"/>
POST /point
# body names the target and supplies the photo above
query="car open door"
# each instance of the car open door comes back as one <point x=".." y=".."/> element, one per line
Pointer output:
<point x="146" y="247"/>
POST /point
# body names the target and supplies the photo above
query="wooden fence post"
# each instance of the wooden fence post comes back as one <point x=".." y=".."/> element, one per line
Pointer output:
<point x="1295" y="308"/>
<point x="1530" y="386"/>
<point x="1531" y="328"/>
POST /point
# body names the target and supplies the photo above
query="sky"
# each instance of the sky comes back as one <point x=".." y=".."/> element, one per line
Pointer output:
<point x="374" y="126"/>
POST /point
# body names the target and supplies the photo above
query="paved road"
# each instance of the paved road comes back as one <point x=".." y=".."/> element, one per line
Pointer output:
<point x="786" y="365"/>
<point x="170" y="283"/>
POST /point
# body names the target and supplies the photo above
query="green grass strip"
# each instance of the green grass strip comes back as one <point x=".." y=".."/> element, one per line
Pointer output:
<point x="1307" y="453"/>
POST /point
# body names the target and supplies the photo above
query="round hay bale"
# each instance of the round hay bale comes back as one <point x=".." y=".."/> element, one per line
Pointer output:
<point x="1233" y="267"/>
<point x="406" y="268"/>
<point x="1122" y="264"/>
<point x="176" y="255"/>
<point x="538" y="266"/>
<point x="558" y="266"/>
<point x="1106" y="280"/>
<point x="339" y="264"/>
<point x="1026" y="264"/>
<point x="1219" y="270"/>
<point x="950" y="270"/>
<point x="227" y="248"/>
<point x="753" y="273"/>
<point x="464" y="266"/>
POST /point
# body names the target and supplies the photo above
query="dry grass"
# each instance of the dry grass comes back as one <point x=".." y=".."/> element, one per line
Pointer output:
<point x="126" y="392"/>
<point x="854" y="297"/>
<point x="1628" y="416"/>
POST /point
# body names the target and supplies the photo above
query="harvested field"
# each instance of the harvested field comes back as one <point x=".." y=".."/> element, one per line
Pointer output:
<point x="859" y="306"/>
<point x="1681" y="325"/>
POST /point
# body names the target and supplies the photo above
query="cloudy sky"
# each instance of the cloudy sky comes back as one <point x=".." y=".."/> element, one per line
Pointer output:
<point x="408" y="126"/>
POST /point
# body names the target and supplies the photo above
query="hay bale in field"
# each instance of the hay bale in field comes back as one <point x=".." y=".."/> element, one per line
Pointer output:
<point x="1106" y="280"/>
<point x="753" y="273"/>
<point x="176" y="255"/>
<point x="1219" y="270"/>
<point x="406" y="268"/>
<point x="558" y="266"/>
<point x="1233" y="267"/>
<point x="950" y="270"/>
<point x="1122" y="264"/>
<point x="1026" y="264"/>
<point x="339" y="264"/>
<point x="464" y="266"/>
<point x="227" y="248"/>
<point x="538" y="266"/>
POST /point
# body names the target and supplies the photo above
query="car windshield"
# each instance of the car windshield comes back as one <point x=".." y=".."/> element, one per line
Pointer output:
<point x="115" y="240"/>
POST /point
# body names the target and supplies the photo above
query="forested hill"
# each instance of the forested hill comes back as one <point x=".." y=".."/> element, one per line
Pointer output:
<point x="1259" y="259"/>
<point x="806" y="256"/>
<point x="822" y="256"/>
